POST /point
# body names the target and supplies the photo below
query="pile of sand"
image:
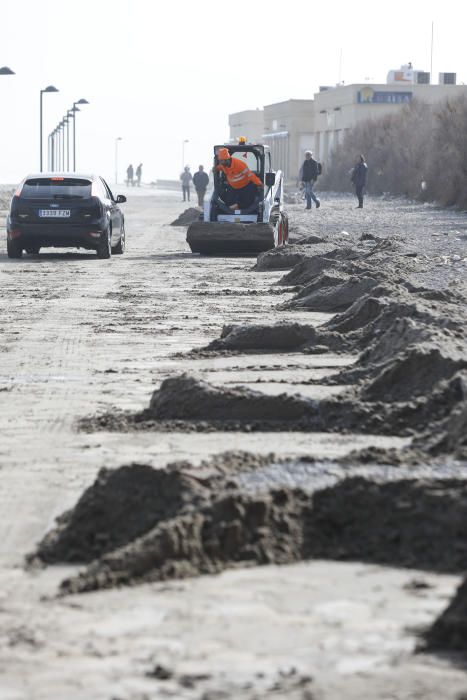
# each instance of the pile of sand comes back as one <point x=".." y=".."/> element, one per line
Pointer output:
<point x="184" y="528"/>
<point x="189" y="216"/>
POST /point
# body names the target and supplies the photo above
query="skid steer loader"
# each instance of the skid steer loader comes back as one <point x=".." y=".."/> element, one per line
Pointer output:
<point x="264" y="225"/>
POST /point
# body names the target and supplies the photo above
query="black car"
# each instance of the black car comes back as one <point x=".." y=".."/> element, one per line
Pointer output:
<point x="65" y="211"/>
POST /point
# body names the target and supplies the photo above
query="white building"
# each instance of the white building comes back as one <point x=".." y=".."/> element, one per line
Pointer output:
<point x="291" y="127"/>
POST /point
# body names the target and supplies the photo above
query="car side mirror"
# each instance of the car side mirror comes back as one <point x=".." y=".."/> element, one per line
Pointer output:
<point x="270" y="179"/>
<point x="120" y="199"/>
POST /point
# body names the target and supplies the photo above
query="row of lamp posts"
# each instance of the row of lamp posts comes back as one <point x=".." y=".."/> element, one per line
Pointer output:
<point x="59" y="138"/>
<point x="57" y="147"/>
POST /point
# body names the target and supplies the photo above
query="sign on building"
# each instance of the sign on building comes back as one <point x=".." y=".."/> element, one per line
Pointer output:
<point x="369" y="96"/>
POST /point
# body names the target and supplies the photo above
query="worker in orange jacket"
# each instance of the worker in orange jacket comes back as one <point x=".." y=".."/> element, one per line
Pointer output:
<point x="244" y="184"/>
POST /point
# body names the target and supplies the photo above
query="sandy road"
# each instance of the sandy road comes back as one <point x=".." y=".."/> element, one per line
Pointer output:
<point x="80" y="335"/>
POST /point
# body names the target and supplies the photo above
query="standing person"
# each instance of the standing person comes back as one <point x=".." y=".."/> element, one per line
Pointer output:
<point x="129" y="175"/>
<point x="201" y="182"/>
<point x="308" y="175"/>
<point x="139" y="172"/>
<point x="186" y="177"/>
<point x="358" y="177"/>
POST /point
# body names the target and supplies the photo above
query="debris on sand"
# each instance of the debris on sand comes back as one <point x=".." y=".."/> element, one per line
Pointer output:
<point x="188" y="398"/>
<point x="282" y="258"/>
<point x="278" y="336"/>
<point x="342" y="257"/>
<point x="333" y="297"/>
<point x="121" y="505"/>
<point x="407" y="379"/>
<point x="289" y="683"/>
<point x="308" y="268"/>
<point x="310" y="240"/>
<point x="187" y="217"/>
<point x="449" y="631"/>
<point x="403" y="522"/>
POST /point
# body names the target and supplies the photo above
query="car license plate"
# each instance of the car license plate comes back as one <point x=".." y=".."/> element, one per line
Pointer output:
<point x="54" y="213"/>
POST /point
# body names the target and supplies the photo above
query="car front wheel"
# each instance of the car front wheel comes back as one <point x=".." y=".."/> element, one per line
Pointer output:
<point x="104" y="249"/>
<point x="14" y="249"/>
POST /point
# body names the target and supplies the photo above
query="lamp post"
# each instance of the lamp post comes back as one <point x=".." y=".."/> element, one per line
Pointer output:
<point x="49" y="151"/>
<point x="183" y="152"/>
<point x="58" y="156"/>
<point x="119" y="138"/>
<point x="52" y="151"/>
<point x="82" y="101"/>
<point x="62" y="144"/>
<point x="49" y="88"/>
<point x="55" y="149"/>
<point x="69" y="115"/>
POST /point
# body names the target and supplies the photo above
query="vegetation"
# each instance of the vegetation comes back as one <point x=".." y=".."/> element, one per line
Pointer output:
<point x="421" y="152"/>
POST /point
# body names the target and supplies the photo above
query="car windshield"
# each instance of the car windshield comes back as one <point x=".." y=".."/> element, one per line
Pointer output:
<point x="56" y="188"/>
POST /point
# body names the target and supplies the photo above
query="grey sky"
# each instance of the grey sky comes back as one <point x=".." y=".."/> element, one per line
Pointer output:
<point x="158" y="73"/>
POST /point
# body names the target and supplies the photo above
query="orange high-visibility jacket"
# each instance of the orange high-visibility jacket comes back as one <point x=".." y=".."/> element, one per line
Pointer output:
<point x="239" y="174"/>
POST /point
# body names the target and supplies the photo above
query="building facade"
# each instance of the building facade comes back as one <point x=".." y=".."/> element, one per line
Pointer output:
<point x="249" y="123"/>
<point x="290" y="128"/>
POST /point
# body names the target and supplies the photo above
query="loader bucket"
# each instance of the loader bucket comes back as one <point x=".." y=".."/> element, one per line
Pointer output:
<point x="212" y="238"/>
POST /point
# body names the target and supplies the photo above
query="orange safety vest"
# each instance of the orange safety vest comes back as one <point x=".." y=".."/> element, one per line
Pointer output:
<point x="239" y="174"/>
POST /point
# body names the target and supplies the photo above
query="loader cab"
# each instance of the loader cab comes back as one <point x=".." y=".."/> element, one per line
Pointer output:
<point x="255" y="158"/>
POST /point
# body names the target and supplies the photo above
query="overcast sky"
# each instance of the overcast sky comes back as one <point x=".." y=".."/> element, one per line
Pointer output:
<point x="156" y="73"/>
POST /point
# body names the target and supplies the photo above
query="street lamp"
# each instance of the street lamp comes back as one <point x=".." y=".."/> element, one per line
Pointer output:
<point x="69" y="115"/>
<point x="49" y="88"/>
<point x="61" y="136"/>
<point x="119" y="138"/>
<point x="183" y="152"/>
<point x="50" y="150"/>
<point x="6" y="71"/>
<point x="52" y="136"/>
<point x="82" y="101"/>
<point x="57" y="150"/>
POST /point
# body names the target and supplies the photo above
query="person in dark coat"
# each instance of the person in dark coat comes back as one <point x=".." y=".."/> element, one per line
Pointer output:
<point x="129" y="175"/>
<point x="201" y="182"/>
<point x="308" y="175"/>
<point x="358" y="177"/>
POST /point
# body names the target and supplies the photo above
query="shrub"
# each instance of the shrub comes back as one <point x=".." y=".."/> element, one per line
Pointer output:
<point x="421" y="143"/>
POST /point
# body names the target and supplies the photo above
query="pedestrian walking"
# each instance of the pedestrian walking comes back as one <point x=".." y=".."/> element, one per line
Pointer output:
<point x="358" y="176"/>
<point x="139" y="172"/>
<point x="308" y="175"/>
<point x="201" y="182"/>
<point x="129" y="175"/>
<point x="186" y="178"/>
